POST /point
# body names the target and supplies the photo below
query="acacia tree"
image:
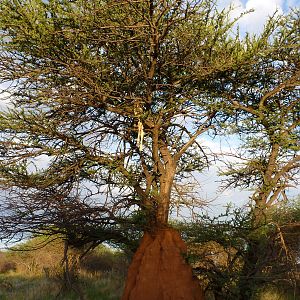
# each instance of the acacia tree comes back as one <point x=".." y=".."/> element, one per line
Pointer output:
<point x="219" y="248"/>
<point x="268" y="120"/>
<point x="113" y="96"/>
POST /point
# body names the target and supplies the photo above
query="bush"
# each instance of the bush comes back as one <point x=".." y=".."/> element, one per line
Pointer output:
<point x="103" y="259"/>
<point x="275" y="293"/>
<point x="6" y="266"/>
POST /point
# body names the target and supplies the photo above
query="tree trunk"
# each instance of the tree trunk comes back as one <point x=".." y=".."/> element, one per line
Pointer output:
<point x="247" y="283"/>
<point x="158" y="270"/>
<point x="255" y="258"/>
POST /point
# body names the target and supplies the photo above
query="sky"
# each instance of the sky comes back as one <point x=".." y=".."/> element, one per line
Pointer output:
<point x="254" y="21"/>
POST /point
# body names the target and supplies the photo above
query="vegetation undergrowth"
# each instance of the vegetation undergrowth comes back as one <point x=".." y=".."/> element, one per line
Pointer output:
<point x="38" y="274"/>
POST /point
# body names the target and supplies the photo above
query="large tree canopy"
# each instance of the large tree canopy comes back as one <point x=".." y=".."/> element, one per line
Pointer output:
<point x="268" y="161"/>
<point x="268" y="114"/>
<point x="115" y="94"/>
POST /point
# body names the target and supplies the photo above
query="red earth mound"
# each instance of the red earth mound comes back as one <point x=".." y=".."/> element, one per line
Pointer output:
<point x="159" y="272"/>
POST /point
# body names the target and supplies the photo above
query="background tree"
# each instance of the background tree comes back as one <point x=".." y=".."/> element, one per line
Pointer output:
<point x="219" y="248"/>
<point x="112" y="96"/>
<point x="268" y="121"/>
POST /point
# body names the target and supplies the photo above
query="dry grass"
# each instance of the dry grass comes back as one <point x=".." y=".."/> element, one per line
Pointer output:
<point x="17" y="287"/>
<point x="37" y="275"/>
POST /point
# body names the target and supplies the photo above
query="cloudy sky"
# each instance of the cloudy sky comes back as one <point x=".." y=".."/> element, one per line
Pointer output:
<point x="253" y="22"/>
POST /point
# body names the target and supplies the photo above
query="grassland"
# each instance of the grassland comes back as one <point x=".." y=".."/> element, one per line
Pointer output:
<point x="28" y="287"/>
<point x="38" y="275"/>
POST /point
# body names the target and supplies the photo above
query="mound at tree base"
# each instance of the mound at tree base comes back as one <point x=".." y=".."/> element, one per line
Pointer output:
<point x="159" y="272"/>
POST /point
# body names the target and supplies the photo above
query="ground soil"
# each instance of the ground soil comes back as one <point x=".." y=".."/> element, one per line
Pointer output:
<point x="159" y="271"/>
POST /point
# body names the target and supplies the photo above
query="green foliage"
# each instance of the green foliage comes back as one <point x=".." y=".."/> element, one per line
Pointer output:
<point x="231" y="256"/>
<point x="275" y="293"/>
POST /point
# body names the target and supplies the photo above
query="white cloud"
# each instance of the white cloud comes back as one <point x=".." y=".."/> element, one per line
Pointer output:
<point x="209" y="180"/>
<point x="210" y="187"/>
<point x="254" y="22"/>
<point x="221" y="145"/>
<point x="5" y="97"/>
<point x="5" y="102"/>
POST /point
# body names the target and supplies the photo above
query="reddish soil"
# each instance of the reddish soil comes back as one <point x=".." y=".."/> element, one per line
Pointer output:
<point x="159" y="272"/>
